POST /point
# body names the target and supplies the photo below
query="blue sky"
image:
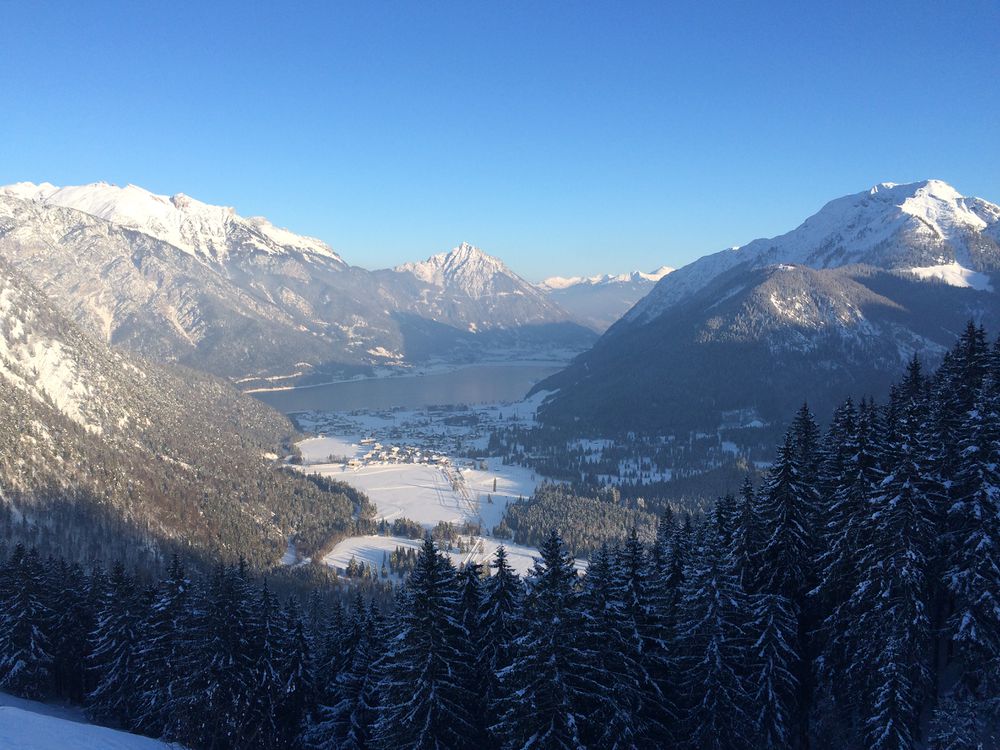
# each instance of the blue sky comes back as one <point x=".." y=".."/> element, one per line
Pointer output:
<point x="564" y="137"/>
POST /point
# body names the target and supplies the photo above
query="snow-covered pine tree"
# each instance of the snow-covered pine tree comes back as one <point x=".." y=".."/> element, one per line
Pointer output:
<point x="331" y="652"/>
<point x="345" y="722"/>
<point x="209" y="706"/>
<point x="470" y="582"/>
<point x="672" y="588"/>
<point x="614" y="649"/>
<point x="808" y="448"/>
<point x="959" y="724"/>
<point x="786" y="506"/>
<point x="712" y="652"/>
<point x="425" y="675"/>
<point x="772" y="633"/>
<point x="544" y="703"/>
<point x="666" y="527"/>
<point x="266" y="639"/>
<point x="161" y="649"/>
<point x="972" y="573"/>
<point x="499" y="627"/>
<point x="73" y="622"/>
<point x="888" y="631"/>
<point x="746" y="538"/>
<point x="298" y="698"/>
<point x="25" y="627"/>
<point x="786" y="560"/>
<point x="647" y="640"/>
<point x="891" y="723"/>
<point x="115" y="653"/>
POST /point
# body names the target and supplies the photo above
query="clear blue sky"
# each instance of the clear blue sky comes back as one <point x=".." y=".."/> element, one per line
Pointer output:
<point x="564" y="137"/>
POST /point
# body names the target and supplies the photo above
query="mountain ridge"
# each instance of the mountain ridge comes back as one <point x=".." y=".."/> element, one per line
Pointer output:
<point x="835" y="307"/>
<point x="915" y="225"/>
<point x="182" y="281"/>
<point x="554" y="283"/>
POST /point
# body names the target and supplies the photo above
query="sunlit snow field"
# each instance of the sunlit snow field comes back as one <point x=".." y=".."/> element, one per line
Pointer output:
<point x="460" y="491"/>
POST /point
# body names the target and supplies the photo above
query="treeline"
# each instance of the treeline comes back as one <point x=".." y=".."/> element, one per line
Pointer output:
<point x="585" y="520"/>
<point x="213" y="661"/>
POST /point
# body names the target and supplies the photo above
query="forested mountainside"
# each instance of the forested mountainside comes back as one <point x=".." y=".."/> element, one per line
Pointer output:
<point x="181" y="281"/>
<point x="106" y="456"/>
<point x="835" y="307"/>
<point x="850" y="600"/>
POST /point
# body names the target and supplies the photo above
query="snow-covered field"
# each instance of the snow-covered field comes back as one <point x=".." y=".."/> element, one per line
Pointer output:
<point x="373" y="550"/>
<point x="27" y="725"/>
<point x="353" y="448"/>
<point x="427" y="493"/>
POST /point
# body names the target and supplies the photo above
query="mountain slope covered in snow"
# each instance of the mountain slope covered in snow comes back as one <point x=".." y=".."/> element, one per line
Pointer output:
<point x="183" y="281"/>
<point x="834" y="308"/>
<point x="927" y="227"/>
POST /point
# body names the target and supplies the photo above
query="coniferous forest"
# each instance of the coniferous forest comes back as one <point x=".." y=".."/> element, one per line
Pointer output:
<point x="852" y="600"/>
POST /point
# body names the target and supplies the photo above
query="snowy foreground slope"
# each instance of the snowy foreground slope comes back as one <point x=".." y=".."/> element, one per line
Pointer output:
<point x="27" y="725"/>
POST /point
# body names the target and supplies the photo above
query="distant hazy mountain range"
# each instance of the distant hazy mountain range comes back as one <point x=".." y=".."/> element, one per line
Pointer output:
<point x="179" y="280"/>
<point x="598" y="301"/>
<point x="833" y="308"/>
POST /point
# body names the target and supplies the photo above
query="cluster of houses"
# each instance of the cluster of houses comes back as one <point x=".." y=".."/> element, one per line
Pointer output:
<point x="378" y="453"/>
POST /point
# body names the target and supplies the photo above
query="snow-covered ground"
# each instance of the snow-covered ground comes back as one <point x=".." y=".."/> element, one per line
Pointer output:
<point x="373" y="550"/>
<point x="955" y="274"/>
<point x="442" y="486"/>
<point x="27" y="725"/>
<point x="427" y="493"/>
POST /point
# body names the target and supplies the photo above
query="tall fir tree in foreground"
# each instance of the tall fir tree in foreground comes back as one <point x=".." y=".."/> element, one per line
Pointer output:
<point x="425" y="673"/>
<point x="116" y="653"/>
<point x="26" y="623"/>
<point x="547" y="689"/>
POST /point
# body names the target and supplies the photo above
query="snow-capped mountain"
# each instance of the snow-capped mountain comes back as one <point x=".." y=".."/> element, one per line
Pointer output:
<point x="926" y="227"/>
<point x="178" y="280"/>
<point x="556" y="283"/>
<point x="468" y="287"/>
<point x="598" y="301"/>
<point x="211" y="233"/>
<point x="833" y="308"/>
<point x="465" y="269"/>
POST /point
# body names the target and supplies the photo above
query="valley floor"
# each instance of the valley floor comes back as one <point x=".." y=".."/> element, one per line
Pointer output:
<point x="416" y="474"/>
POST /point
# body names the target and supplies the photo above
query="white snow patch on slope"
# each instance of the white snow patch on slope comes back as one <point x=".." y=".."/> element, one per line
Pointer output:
<point x="955" y="274"/>
<point x="42" y="367"/>
<point x="426" y="493"/>
<point x="32" y="726"/>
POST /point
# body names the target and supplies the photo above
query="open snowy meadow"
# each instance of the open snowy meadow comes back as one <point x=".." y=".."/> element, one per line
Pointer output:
<point x="438" y="488"/>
